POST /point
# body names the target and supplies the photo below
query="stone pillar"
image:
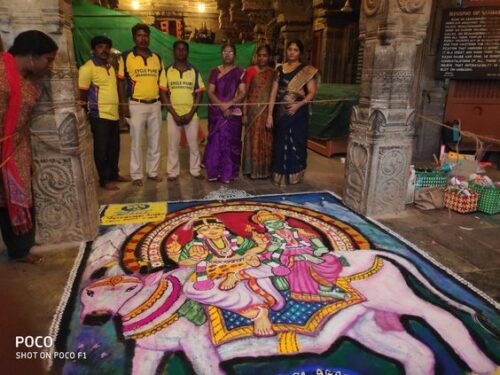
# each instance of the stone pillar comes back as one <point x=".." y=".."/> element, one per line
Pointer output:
<point x="225" y="25"/>
<point x="339" y="40"/>
<point x="64" y="181"/>
<point x="295" y="19"/>
<point x="260" y="13"/>
<point x="382" y="125"/>
<point x="240" y="22"/>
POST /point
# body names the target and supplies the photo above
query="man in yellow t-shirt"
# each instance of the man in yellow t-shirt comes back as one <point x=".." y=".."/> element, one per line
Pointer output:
<point x="184" y="92"/>
<point x="99" y="92"/>
<point x="141" y="79"/>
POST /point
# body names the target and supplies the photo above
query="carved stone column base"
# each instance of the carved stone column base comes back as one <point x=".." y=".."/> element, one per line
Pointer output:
<point x="376" y="174"/>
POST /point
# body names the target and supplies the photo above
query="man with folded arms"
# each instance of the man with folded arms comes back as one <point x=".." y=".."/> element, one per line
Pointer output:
<point x="141" y="77"/>
<point x="99" y="95"/>
<point x="185" y="90"/>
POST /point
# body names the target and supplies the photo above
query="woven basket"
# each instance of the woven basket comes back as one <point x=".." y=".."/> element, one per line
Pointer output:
<point x="425" y="179"/>
<point x="458" y="202"/>
<point x="489" y="199"/>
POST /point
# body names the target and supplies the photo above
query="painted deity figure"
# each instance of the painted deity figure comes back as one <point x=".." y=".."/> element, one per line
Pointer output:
<point x="229" y="275"/>
<point x="311" y="270"/>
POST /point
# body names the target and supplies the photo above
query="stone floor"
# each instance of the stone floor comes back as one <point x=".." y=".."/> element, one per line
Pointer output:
<point x="468" y="244"/>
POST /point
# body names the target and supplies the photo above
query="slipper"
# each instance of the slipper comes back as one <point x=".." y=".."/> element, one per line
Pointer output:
<point x="30" y="259"/>
<point x="137" y="183"/>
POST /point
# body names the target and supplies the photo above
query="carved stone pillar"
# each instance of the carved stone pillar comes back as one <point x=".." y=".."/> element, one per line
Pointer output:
<point x="240" y="22"/>
<point x="225" y="25"/>
<point x="382" y="125"/>
<point x="64" y="182"/>
<point x="260" y="13"/>
<point x="295" y="19"/>
<point x="335" y="43"/>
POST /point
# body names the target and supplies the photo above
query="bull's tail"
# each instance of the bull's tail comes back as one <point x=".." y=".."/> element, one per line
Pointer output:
<point x="481" y="320"/>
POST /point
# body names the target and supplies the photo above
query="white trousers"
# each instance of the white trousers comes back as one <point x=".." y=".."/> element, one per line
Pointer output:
<point x="144" y="117"/>
<point x="174" y="138"/>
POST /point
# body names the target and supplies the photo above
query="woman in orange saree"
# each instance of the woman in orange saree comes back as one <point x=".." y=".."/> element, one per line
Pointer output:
<point x="258" y="143"/>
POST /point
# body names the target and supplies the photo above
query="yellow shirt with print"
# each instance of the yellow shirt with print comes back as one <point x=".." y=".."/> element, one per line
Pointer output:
<point x="145" y="75"/>
<point x="182" y="88"/>
<point x="100" y="82"/>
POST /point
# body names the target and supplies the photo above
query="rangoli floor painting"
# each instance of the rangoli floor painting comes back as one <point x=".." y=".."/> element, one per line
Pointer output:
<point x="294" y="284"/>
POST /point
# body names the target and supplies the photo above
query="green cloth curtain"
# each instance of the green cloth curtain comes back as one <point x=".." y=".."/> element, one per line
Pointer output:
<point x="91" y="20"/>
<point x="332" y="120"/>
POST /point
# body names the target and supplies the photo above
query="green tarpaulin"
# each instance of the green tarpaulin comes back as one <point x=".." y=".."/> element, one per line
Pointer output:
<point x="328" y="121"/>
<point x="332" y="120"/>
<point x="91" y="20"/>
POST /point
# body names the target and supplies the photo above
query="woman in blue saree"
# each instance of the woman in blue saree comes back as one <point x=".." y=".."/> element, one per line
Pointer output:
<point x="294" y="87"/>
<point x="226" y="90"/>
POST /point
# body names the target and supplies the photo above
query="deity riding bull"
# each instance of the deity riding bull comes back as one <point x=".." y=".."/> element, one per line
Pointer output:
<point x="151" y="312"/>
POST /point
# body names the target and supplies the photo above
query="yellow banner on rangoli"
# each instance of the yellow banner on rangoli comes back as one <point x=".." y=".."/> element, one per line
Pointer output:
<point x="134" y="213"/>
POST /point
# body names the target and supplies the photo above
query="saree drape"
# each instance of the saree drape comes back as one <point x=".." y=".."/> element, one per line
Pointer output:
<point x="258" y="142"/>
<point x="290" y="148"/>
<point x="223" y="151"/>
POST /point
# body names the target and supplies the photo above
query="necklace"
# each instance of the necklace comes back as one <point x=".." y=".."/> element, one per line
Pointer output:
<point x="290" y="67"/>
<point x="225" y="252"/>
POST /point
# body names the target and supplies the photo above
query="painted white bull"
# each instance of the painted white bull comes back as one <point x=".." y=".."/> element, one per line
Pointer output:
<point x="374" y="323"/>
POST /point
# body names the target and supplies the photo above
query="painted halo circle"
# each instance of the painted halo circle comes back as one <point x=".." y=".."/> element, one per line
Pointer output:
<point x="150" y="247"/>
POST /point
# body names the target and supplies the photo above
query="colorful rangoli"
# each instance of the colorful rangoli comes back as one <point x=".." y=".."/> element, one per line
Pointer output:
<point x="243" y="286"/>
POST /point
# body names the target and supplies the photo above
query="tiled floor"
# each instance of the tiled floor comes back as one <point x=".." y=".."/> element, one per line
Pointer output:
<point x="468" y="244"/>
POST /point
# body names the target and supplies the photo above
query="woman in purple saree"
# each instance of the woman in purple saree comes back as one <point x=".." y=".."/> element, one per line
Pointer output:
<point x="226" y="89"/>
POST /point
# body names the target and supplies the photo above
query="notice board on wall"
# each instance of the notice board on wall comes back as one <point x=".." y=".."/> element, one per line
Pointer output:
<point x="480" y="3"/>
<point x="470" y="44"/>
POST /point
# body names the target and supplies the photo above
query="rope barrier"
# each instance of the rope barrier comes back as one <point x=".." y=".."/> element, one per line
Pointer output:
<point x="479" y="139"/>
<point x="79" y="103"/>
<point x="465" y="133"/>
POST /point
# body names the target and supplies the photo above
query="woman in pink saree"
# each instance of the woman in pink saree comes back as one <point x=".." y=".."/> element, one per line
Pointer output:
<point x="310" y="269"/>
<point x="225" y="91"/>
